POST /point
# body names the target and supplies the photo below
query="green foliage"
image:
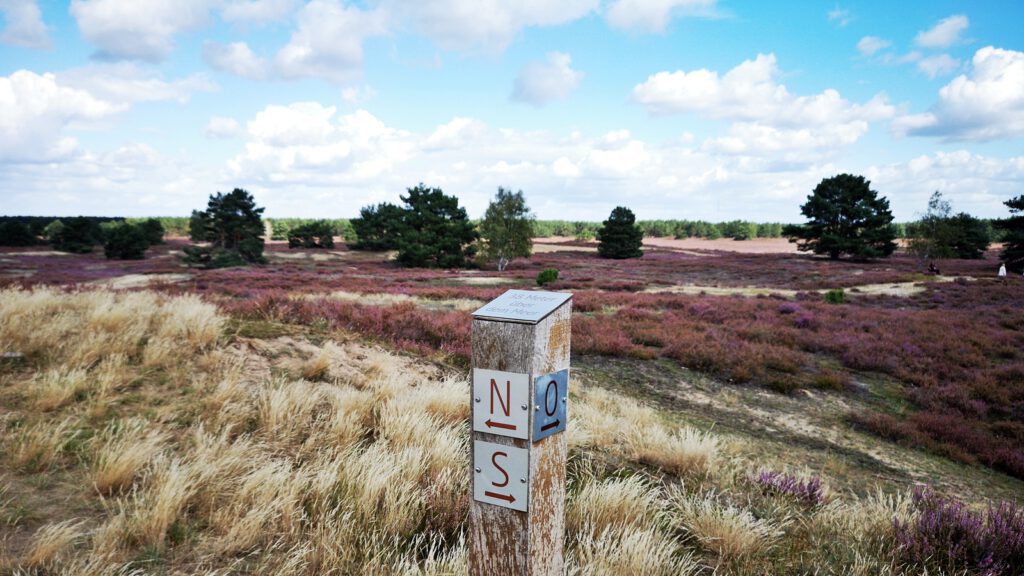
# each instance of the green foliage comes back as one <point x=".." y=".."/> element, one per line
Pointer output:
<point x="279" y="229"/>
<point x="125" y="241"/>
<point x="938" y="234"/>
<point x="547" y="275"/>
<point x="378" y="227"/>
<point x="154" y="231"/>
<point x="318" y="234"/>
<point x="835" y="296"/>
<point x="435" y="231"/>
<point x="845" y="216"/>
<point x="619" y="236"/>
<point x="77" y="235"/>
<point x="13" y="233"/>
<point x="232" y="222"/>
<point x="210" y="257"/>
<point x="1013" y="235"/>
<point x="507" y="228"/>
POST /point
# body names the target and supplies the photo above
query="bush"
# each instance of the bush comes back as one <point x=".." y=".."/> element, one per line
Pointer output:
<point x="319" y="234"/>
<point x="126" y="242"/>
<point x="14" y="233"/>
<point x="153" y="230"/>
<point x="211" y="257"/>
<point x="835" y="296"/>
<point x="77" y="235"/>
<point x="547" y="275"/>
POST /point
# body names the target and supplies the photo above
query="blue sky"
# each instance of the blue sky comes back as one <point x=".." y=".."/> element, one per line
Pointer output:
<point x="676" y="108"/>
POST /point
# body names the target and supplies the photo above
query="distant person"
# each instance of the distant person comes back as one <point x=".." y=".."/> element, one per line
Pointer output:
<point x="1002" y="271"/>
<point x="932" y="269"/>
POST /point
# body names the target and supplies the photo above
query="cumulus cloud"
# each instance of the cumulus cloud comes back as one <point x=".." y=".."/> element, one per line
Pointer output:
<point x="258" y="11"/>
<point x="482" y="25"/>
<point x="750" y="92"/>
<point x="140" y="29"/>
<point x="235" y="58"/>
<point x="221" y="128"/>
<point x="35" y="111"/>
<point x="944" y="34"/>
<point x="938" y="65"/>
<point x="985" y="104"/>
<point x="869" y="45"/>
<point x="23" y="24"/>
<point x="654" y="15"/>
<point x="328" y="42"/>
<point x="542" y="82"/>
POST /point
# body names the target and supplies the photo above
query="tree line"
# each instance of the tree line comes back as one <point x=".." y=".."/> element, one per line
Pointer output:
<point x="845" y="217"/>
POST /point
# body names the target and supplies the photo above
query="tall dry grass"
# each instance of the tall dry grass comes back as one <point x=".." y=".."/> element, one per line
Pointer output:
<point x="212" y="457"/>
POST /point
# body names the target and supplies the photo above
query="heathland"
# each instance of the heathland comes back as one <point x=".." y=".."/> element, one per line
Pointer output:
<point x="732" y="413"/>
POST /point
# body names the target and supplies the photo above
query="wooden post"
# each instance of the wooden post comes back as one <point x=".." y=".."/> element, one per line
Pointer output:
<point x="519" y="403"/>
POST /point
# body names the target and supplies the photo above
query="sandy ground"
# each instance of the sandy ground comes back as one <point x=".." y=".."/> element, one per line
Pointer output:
<point x="139" y="280"/>
<point x="756" y="246"/>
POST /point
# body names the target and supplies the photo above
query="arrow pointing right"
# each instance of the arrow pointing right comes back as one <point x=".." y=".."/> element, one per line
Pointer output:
<point x="550" y="425"/>
<point x="506" y="497"/>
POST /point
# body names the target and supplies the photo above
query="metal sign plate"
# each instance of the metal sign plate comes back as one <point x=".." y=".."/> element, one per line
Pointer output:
<point x="501" y="475"/>
<point x="528" y="306"/>
<point x="501" y="403"/>
<point x="550" y="400"/>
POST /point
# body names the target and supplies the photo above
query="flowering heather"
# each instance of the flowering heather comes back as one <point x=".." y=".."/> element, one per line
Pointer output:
<point x="947" y="536"/>
<point x="807" y="491"/>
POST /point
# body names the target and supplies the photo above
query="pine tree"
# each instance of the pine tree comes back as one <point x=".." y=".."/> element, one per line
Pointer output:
<point x="619" y="236"/>
<point x="1013" y="251"/>
<point x="845" y="217"/>
<point x="435" y="231"/>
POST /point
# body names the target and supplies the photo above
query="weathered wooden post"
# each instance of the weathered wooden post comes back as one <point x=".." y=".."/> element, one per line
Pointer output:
<point x="519" y="401"/>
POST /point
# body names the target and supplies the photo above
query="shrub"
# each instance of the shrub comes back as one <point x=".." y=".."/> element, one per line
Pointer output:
<point x="77" y="235"/>
<point x="319" y="234"/>
<point x="807" y="491"/>
<point x="154" y="231"/>
<point x="13" y="233"/>
<point x="210" y="257"/>
<point x="947" y="537"/>
<point x="835" y="296"/>
<point x="547" y="275"/>
<point x="126" y="242"/>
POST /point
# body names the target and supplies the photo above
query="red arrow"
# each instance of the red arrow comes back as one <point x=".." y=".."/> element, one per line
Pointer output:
<point x="493" y="424"/>
<point x="550" y="425"/>
<point x="506" y="497"/>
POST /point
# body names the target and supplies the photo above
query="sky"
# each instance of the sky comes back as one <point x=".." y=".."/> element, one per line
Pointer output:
<point x="677" y="109"/>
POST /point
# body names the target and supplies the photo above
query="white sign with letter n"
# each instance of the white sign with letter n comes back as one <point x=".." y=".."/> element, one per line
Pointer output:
<point x="501" y="403"/>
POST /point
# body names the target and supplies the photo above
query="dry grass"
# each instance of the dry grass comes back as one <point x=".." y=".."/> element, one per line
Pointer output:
<point x="51" y="542"/>
<point x="124" y="450"/>
<point x="283" y="457"/>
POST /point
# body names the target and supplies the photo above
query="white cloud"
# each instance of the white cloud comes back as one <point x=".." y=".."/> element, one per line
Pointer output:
<point x="222" y="128"/>
<point x="986" y="104"/>
<point x="973" y="183"/>
<point x="654" y="15"/>
<point x="235" y="58"/>
<point x="140" y="29"/>
<point x="938" y="65"/>
<point x="258" y="11"/>
<point x="840" y="16"/>
<point x="328" y="42"/>
<point x="358" y="94"/>
<point x="23" y="24"/>
<point x="126" y="83"/>
<point x="459" y="133"/>
<point x="482" y="25"/>
<point x="540" y="83"/>
<point x="869" y="45"/>
<point x="944" y="34"/>
<point x="750" y="92"/>
<point x="35" y="112"/>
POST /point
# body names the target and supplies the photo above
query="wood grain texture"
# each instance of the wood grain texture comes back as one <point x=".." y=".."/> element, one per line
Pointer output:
<point x="501" y="540"/>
